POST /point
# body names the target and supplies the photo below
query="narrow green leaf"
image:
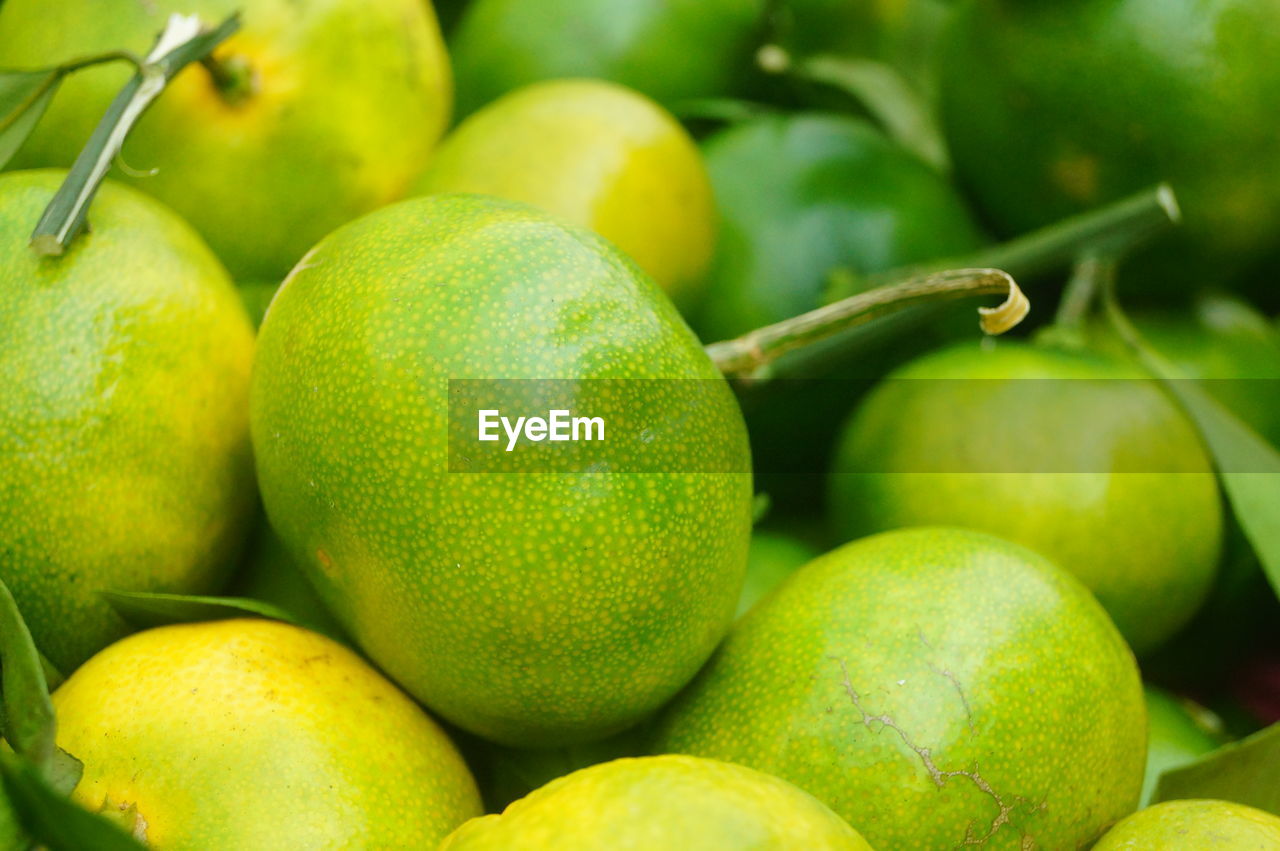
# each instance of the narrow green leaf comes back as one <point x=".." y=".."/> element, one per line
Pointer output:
<point x="888" y="97"/>
<point x="28" y="712"/>
<point x="1246" y="772"/>
<point x="1248" y="467"/>
<point x="24" y="97"/>
<point x="144" y="610"/>
<point x="52" y="819"/>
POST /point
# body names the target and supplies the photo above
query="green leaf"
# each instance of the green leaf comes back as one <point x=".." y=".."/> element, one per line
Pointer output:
<point x="144" y="610"/>
<point x="28" y="712"/>
<point x="1248" y="467"/>
<point x="888" y="97"/>
<point x="52" y="819"/>
<point x="1246" y="772"/>
<point x="24" y="97"/>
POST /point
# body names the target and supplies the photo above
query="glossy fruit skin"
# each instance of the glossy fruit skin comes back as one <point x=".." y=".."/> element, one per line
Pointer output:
<point x="601" y="156"/>
<point x="661" y="802"/>
<point x="800" y="196"/>
<point x="258" y="734"/>
<point x="1053" y="108"/>
<point x="886" y="665"/>
<point x="1176" y="735"/>
<point x="351" y="96"/>
<point x="672" y="50"/>
<point x="1043" y="446"/>
<point x="124" y="425"/>
<point x="592" y="596"/>
<point x="1194" y="826"/>
<point x="772" y="557"/>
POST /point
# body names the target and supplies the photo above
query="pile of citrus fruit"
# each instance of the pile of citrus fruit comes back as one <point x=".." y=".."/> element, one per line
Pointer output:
<point x="565" y="424"/>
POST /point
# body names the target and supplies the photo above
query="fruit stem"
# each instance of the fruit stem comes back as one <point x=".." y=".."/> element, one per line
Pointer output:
<point x="1084" y="285"/>
<point x="182" y="42"/>
<point x="1110" y="230"/>
<point x="1114" y="229"/>
<point x="749" y="355"/>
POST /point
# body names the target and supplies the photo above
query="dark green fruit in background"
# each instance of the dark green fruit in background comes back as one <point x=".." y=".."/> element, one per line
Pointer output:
<point x="801" y="196"/>
<point x="532" y="608"/>
<point x="1178" y="732"/>
<point x="1046" y="447"/>
<point x="936" y="688"/>
<point x="773" y="557"/>
<point x="338" y="110"/>
<point x="902" y="33"/>
<point x="671" y="50"/>
<point x="1053" y="108"/>
<point x="124" y="442"/>
<point x="271" y="575"/>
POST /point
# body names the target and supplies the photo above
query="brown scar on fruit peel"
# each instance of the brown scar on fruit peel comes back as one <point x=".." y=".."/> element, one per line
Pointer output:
<point x="939" y="777"/>
<point x="949" y="675"/>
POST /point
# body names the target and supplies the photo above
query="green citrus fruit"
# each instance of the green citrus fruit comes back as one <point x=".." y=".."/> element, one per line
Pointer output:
<point x="802" y="196"/>
<point x="936" y="688"/>
<point x="334" y="111"/>
<point x="672" y="50"/>
<point x="772" y="557"/>
<point x="257" y="734"/>
<point x="661" y="802"/>
<point x="902" y="33"/>
<point x="124" y="444"/>
<point x="1072" y="454"/>
<point x="1195" y="826"/>
<point x="1054" y="108"/>
<point x="533" y="605"/>
<point x="1178" y="732"/>
<point x="601" y="156"/>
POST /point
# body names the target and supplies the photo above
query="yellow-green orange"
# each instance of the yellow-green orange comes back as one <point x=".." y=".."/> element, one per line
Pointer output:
<point x="600" y="155"/>
<point x="936" y="688"/>
<point x="554" y="600"/>
<point x="661" y="802"/>
<point x="345" y="100"/>
<point x="257" y="734"/>
<point x="124" y="421"/>
<point x="1195" y="826"/>
<point x="1178" y="732"/>
<point x="1075" y="455"/>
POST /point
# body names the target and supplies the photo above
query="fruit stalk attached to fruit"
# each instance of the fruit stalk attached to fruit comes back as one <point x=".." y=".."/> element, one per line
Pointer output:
<point x="182" y="42"/>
